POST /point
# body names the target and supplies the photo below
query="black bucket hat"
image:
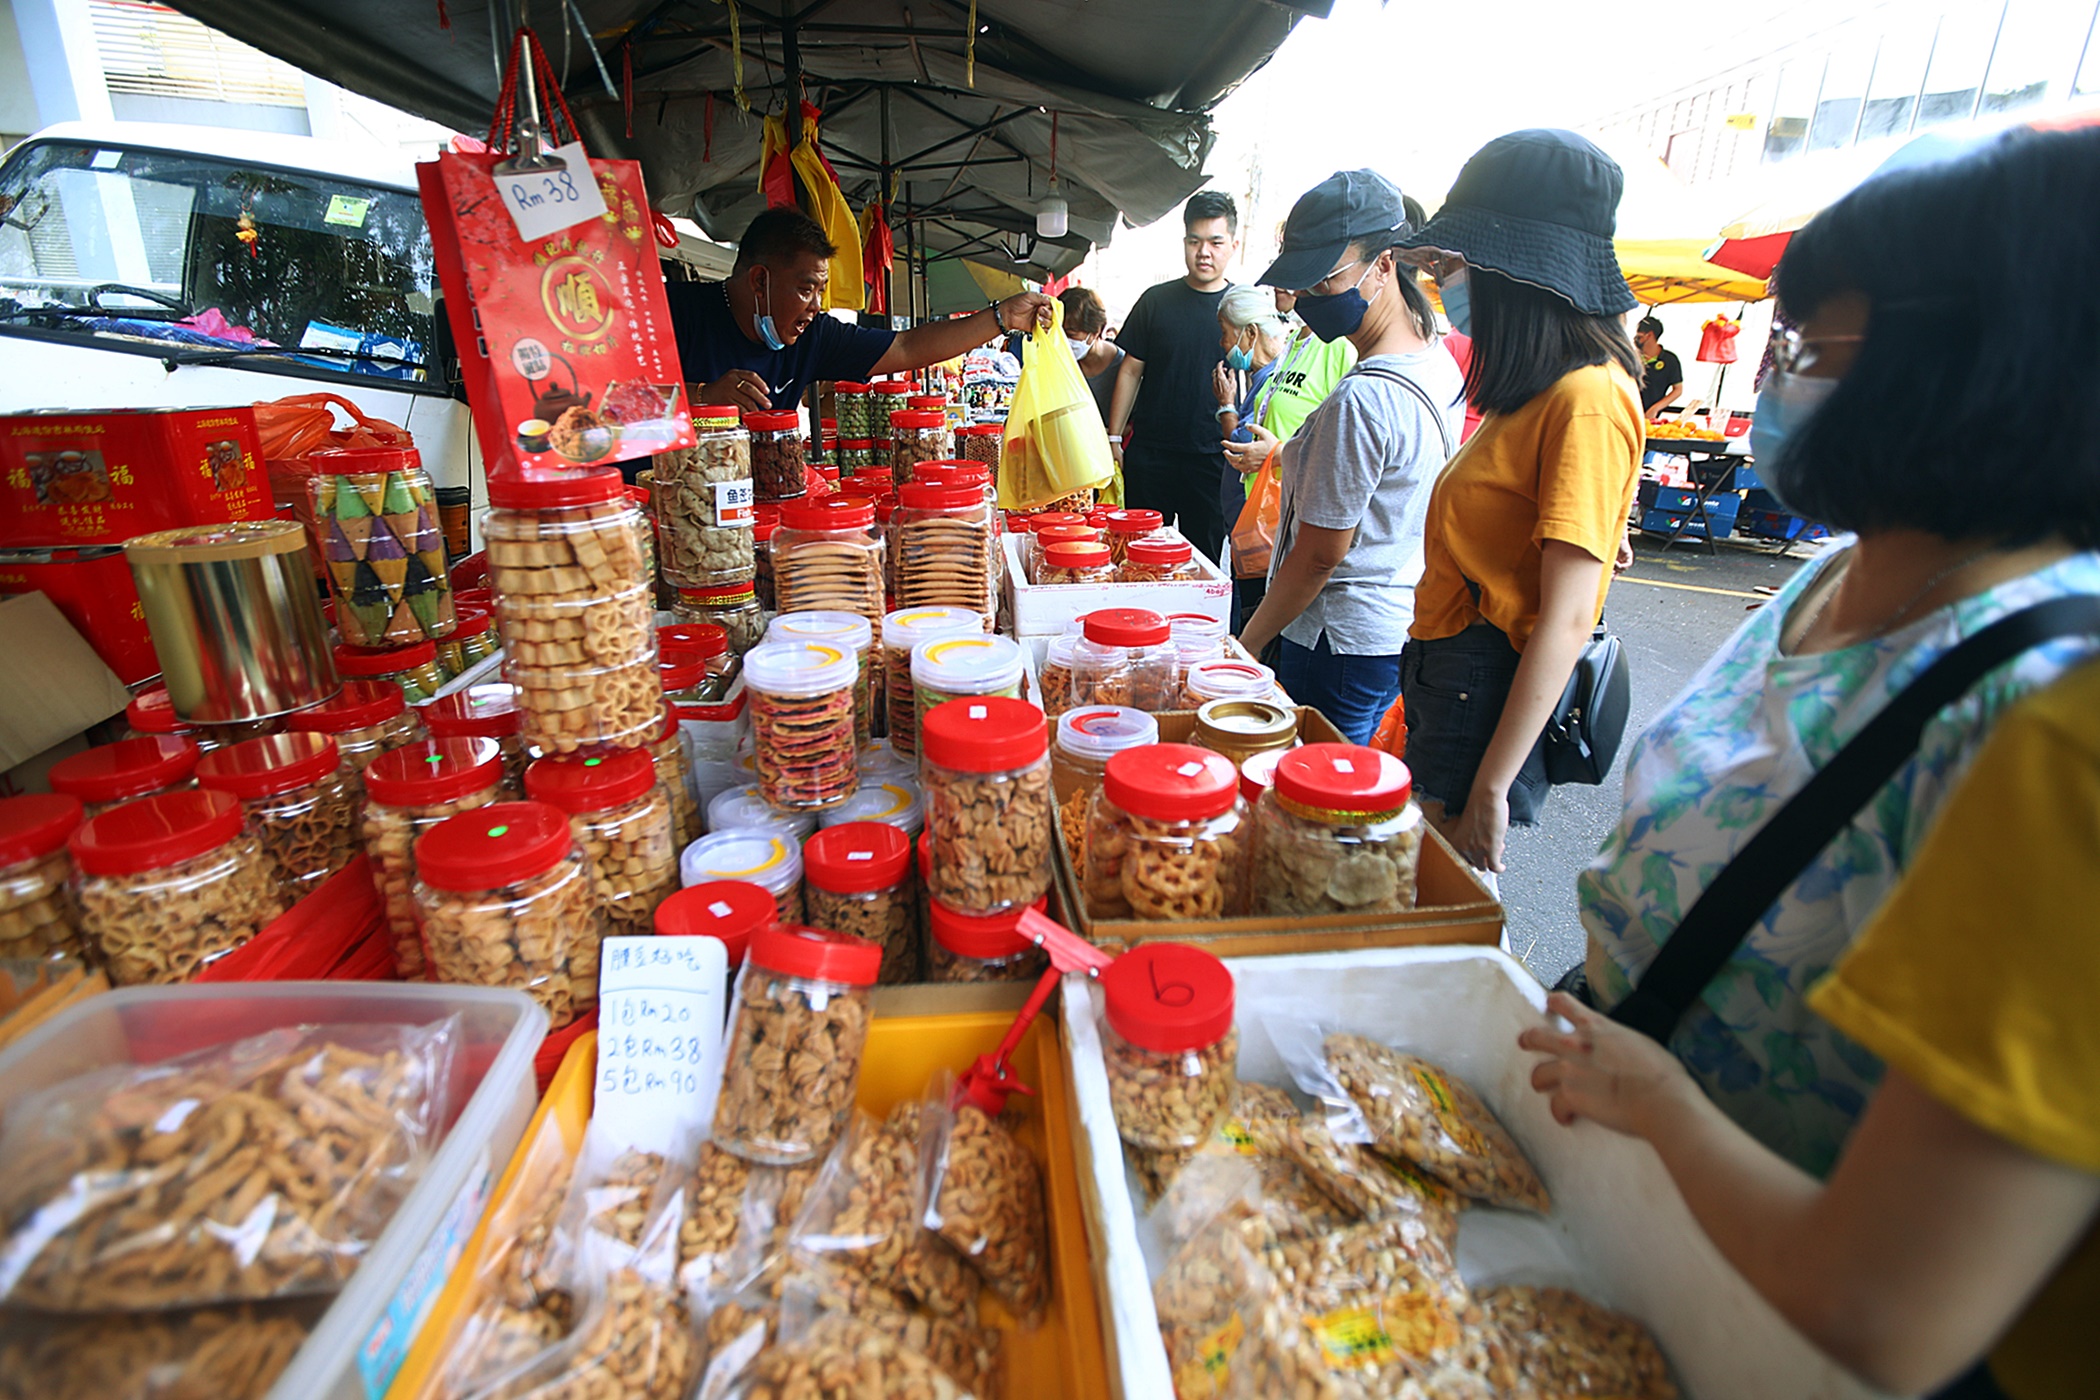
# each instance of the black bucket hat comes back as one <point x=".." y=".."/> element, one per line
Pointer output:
<point x="1344" y="207"/>
<point x="1539" y="206"/>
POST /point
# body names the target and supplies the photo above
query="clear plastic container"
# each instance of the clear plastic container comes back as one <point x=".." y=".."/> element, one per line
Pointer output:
<point x="765" y="523"/>
<point x="674" y="772"/>
<point x="483" y="712"/>
<point x="824" y="443"/>
<point x="681" y="670"/>
<point x="732" y="911"/>
<point x="848" y="632"/>
<point x="1240" y="729"/>
<point x="954" y="668"/>
<point x="504" y="900"/>
<point x="801" y="701"/>
<point x="621" y="819"/>
<point x="981" y="947"/>
<point x="795" y="1044"/>
<point x="703" y="496"/>
<point x="151" y="714"/>
<point x="1258" y="775"/>
<point x="1225" y="680"/>
<point x="109" y="775"/>
<point x="1086" y="738"/>
<point x="919" y="435"/>
<point x="638" y="495"/>
<point x="706" y="638"/>
<point x="857" y="880"/>
<point x="854" y="404"/>
<point x="856" y="455"/>
<point x="299" y="799"/>
<point x="169" y="883"/>
<point x="745" y="808"/>
<point x="902" y="633"/>
<point x="408" y="791"/>
<point x="828" y="558"/>
<point x="989" y="808"/>
<point x="1127" y="525"/>
<point x="772" y="860"/>
<point x="880" y="762"/>
<point x="1074" y="561"/>
<point x="1053" y="679"/>
<point x="376" y="515"/>
<point x="946" y="549"/>
<point x="37" y="917"/>
<point x="1166" y="837"/>
<point x="366" y="718"/>
<point x="980" y="443"/>
<point x="890" y="396"/>
<point x="472" y="642"/>
<point x="412" y="667"/>
<point x="1127" y="658"/>
<point x="779" y="465"/>
<point x="733" y="607"/>
<point x="1159" y="561"/>
<point x="891" y="799"/>
<point x="1044" y="537"/>
<point x="1337" y="833"/>
<point x="1170" y="1044"/>
<point x="1197" y="639"/>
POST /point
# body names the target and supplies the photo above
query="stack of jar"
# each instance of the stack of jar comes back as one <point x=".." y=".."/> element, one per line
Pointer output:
<point x="989" y="823"/>
<point x="1127" y="525"/>
<point x="854" y="404"/>
<point x="918" y="435"/>
<point x="889" y="396"/>
<point x="37" y="916"/>
<point x="480" y="712"/>
<point x="1126" y="657"/>
<point x="366" y="718"/>
<point x="703" y="497"/>
<point x="1166" y="837"/>
<point x="407" y="792"/>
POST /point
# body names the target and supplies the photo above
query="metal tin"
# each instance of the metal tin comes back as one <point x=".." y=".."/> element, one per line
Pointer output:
<point x="1239" y="729"/>
<point x="234" y="618"/>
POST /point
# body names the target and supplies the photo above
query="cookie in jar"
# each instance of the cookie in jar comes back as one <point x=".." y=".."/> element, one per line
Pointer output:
<point x="1338" y="832"/>
<point x="301" y="800"/>
<point x="37" y="918"/>
<point x="982" y="947"/>
<point x="857" y="880"/>
<point x="620" y="817"/>
<point x="985" y="763"/>
<point x="408" y="791"/>
<point x="1166" y="837"/>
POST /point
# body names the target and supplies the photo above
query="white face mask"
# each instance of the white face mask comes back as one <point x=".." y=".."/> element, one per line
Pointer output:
<point x="1079" y="347"/>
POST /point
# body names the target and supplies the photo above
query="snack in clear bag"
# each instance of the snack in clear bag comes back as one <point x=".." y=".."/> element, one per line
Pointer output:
<point x="824" y="1353"/>
<point x="1187" y="1185"/>
<point x="264" y="1168"/>
<point x="1567" y="1346"/>
<point x="1219" y="1321"/>
<point x="736" y="1219"/>
<point x="1374" y="1189"/>
<point x="224" y="1353"/>
<point x="522" y="1304"/>
<point x="984" y="1196"/>
<point x="635" y="1343"/>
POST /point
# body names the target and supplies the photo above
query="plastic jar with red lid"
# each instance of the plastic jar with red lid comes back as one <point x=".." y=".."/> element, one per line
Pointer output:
<point x="1166" y="837"/>
<point x="733" y="607"/>
<point x="1338" y="832"/>
<point x="169" y="883"/>
<point x="795" y="1043"/>
<point x="1132" y="524"/>
<point x="779" y="462"/>
<point x="919" y="435"/>
<point x="981" y="443"/>
<point x="731" y="911"/>
<point x="620" y="816"/>
<point x="483" y="712"/>
<point x="981" y="947"/>
<point x="1197" y="638"/>
<point x="1159" y="560"/>
<point x="1225" y="679"/>
<point x="300" y="800"/>
<point x="1085" y="739"/>
<point x="856" y="455"/>
<point x="37" y="917"/>
<point x="1072" y="561"/>
<point x="946" y="546"/>
<point x="365" y="718"/>
<point x="1170" y="1043"/>
<point x="703" y="496"/>
<point x="1053" y="680"/>
<point x="827" y="555"/>
<point x="472" y="642"/>
<point x="985" y="766"/>
<point x="504" y="900"/>
<point x="1127" y="658"/>
<point x="408" y="791"/>
<point x="889" y="396"/>
<point x="854" y="403"/>
<point x="151" y="714"/>
<point x="413" y="667"/>
<point x="857" y="879"/>
<point x="110" y="775"/>
<point x="674" y="773"/>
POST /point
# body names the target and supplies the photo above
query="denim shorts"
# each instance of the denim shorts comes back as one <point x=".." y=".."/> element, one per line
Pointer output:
<point x="1455" y="688"/>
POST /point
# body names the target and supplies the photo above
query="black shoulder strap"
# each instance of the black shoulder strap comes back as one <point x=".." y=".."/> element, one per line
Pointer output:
<point x="1774" y="858"/>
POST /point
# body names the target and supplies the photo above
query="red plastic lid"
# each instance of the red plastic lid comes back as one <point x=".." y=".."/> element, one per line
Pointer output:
<point x="926" y="854"/>
<point x="894" y="387"/>
<point x="638" y="494"/>
<point x="472" y="620"/>
<point x="856" y="857"/>
<point x="1135" y="522"/>
<point x="731" y="910"/>
<point x="268" y="765"/>
<point x="540" y="490"/>
<point x="707" y="638"/>
<point x="851" y="386"/>
<point x="35" y="824"/>
<point x="772" y="420"/>
<point x="346" y="461"/>
<point x="917" y="418"/>
<point x="1168" y="997"/>
<point x="717" y="411"/>
<point x="1043" y="519"/>
<point x="481" y="711"/>
<point x="984" y="734"/>
<point x="358" y="705"/>
<point x="127" y="768"/>
<point x="595" y="784"/>
<point x="680" y="667"/>
<point x="1329" y="781"/>
<point x="353" y="661"/>
<point x="954" y="472"/>
<point x="858" y="444"/>
<point x="826" y="470"/>
<point x="1076" y="554"/>
<point x="720" y="593"/>
<point x="934" y="401"/>
<point x="796" y="950"/>
<point x="979" y="429"/>
<point x="1066" y="534"/>
<point x="830" y="425"/>
<point x="155" y="831"/>
<point x="1160" y="551"/>
<point x="1098" y="516"/>
<point x="1258" y="773"/>
<point x="829" y="513"/>
<point x="1171" y="782"/>
<point x="926" y="495"/>
<point x="491" y="846"/>
<point x="1125" y="627"/>
<point x="984" y="937"/>
<point x="432" y="771"/>
<point x="882" y="475"/>
<point x="152" y="711"/>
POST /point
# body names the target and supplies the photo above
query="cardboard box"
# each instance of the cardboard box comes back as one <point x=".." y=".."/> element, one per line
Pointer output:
<point x="1039" y="611"/>
<point x="1451" y="903"/>
<point x="104" y="477"/>
<point x="93" y="587"/>
<point x="71" y="688"/>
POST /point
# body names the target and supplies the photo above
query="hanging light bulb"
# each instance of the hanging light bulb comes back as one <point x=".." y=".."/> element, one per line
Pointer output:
<point x="1051" y="220"/>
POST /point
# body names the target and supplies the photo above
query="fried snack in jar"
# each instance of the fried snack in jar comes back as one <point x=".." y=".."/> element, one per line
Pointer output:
<point x="731" y="911"/>
<point x="772" y="860"/>
<point x="827" y="557"/>
<point x="621" y="819"/>
<point x="1074" y="562"/>
<point x="894" y="802"/>
<point x="919" y="435"/>
<point x="964" y="947"/>
<point x="854" y="404"/>
<point x="966" y="667"/>
<point x="1086" y="738"/>
<point x="37" y="918"/>
<point x="1170" y="1044"/>
<point x="408" y="791"/>
<point x="980" y="443"/>
<point x="366" y="718"/>
<point x="795" y="1043"/>
<point x="703" y="496"/>
<point x="779" y="463"/>
<point x="299" y="800"/>
<point x="856" y="455"/>
<point x="475" y="635"/>
<point x="1127" y="525"/>
<point x="986" y="765"/>
<point x="733" y="607"/>
<point x="1224" y="680"/>
<point x="707" y="639"/>
<point x="746" y="808"/>
<point x="505" y="900"/>
<point x="1043" y="537"/>
<point x="801" y="702"/>
<point x="857" y="880"/>
<point x="1159" y="561"/>
<point x="109" y="775"/>
<point x="1053" y="681"/>
<point x="1166" y="837"/>
<point x="482" y="712"/>
<point x="947" y="549"/>
<point x="674" y="773"/>
<point x="578" y="617"/>
<point x="847" y="631"/>
<point x="169" y="883"/>
<point x="1124" y="658"/>
<point x="902" y="632"/>
<point x="765" y="523"/>
<point x="151" y="714"/>
<point x="1338" y="833"/>
<point x="412" y="667"/>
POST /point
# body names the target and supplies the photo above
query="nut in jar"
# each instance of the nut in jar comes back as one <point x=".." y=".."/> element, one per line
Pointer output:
<point x="989" y="808"/>
<point x="1164" y="838"/>
<point x="37" y="918"/>
<point x="1170" y="1045"/>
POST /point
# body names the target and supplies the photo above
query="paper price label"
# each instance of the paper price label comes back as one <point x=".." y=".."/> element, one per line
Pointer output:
<point x="734" y="501"/>
<point x="541" y="202"/>
<point x="661" y="1004"/>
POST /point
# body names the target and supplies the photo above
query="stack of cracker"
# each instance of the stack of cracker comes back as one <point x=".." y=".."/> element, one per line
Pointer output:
<point x="386" y="557"/>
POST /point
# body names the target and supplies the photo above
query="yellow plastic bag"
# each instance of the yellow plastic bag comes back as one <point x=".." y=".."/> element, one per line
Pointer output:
<point x="825" y="204"/>
<point x="1055" y="442"/>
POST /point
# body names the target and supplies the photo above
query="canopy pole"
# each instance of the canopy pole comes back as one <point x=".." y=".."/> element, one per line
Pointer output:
<point x="882" y="197"/>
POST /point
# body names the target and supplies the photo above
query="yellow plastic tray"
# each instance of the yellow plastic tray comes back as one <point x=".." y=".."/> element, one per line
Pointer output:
<point x="1061" y="1359"/>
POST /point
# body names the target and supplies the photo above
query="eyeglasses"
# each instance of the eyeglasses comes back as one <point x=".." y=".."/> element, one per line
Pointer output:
<point x="1794" y="353"/>
<point x="1314" y="289"/>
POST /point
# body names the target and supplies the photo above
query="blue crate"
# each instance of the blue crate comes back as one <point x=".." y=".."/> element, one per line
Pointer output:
<point x="1761" y="499"/>
<point x="1746" y="477"/>
<point x="1676" y="499"/>
<point x="1721" y="511"/>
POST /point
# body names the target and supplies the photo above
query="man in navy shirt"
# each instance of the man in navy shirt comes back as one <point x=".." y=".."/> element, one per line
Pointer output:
<point x="759" y="339"/>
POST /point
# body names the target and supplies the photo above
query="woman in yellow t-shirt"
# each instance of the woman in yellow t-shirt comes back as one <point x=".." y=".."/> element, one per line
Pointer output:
<point x="1529" y="516"/>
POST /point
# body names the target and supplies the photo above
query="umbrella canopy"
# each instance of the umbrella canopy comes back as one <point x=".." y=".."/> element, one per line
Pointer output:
<point x="965" y="122"/>
<point x="1667" y="271"/>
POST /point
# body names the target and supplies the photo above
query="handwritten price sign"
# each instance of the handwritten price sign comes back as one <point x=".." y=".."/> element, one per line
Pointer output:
<point x="547" y="201"/>
<point x="661" y="1004"/>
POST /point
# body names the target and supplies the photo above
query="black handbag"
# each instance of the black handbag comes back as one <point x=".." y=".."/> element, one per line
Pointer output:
<point x="1588" y="725"/>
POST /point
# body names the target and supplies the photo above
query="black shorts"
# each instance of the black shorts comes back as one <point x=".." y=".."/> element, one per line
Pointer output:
<point x="1455" y="688"/>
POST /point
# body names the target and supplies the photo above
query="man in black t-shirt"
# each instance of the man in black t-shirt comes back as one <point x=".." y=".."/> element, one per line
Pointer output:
<point x="1662" y="377"/>
<point x="1163" y="399"/>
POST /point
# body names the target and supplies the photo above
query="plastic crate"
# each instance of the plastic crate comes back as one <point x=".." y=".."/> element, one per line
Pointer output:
<point x="1719" y="516"/>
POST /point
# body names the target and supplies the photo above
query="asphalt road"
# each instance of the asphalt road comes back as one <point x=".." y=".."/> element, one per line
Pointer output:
<point x="1672" y="610"/>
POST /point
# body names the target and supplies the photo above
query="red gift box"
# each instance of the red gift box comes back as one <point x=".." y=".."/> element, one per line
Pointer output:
<point x="106" y="476"/>
<point x="93" y="588"/>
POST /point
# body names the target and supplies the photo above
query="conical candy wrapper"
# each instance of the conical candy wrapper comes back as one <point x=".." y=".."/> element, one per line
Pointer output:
<point x="371" y="489"/>
<point x="392" y="572"/>
<point x="433" y="610"/>
<point x="344" y="502"/>
<point x="343" y="574"/>
<point x="366" y="585"/>
<point x="362" y="624"/>
<point x="383" y="545"/>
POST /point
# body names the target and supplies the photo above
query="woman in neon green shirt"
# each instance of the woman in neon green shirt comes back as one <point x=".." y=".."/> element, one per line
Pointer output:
<point x="1306" y="373"/>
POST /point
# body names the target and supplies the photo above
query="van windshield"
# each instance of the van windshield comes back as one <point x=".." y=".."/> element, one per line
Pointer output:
<point x="208" y="260"/>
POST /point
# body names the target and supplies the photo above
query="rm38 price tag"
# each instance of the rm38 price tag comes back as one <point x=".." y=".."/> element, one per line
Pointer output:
<point x="547" y="201"/>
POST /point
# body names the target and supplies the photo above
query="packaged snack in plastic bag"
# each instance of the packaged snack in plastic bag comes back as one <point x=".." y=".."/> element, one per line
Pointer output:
<point x="1566" y="1345"/>
<point x="872" y="1353"/>
<point x="1219" y="1318"/>
<point x="226" y="1353"/>
<point x="736" y="1219"/>
<point x="984" y="1196"/>
<point x="260" y="1169"/>
<point x="1375" y="1190"/>
<point x="522" y="1304"/>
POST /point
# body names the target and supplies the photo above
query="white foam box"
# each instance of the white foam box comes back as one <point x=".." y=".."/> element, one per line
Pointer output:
<point x="1043" y="611"/>
<point x="1619" y="1232"/>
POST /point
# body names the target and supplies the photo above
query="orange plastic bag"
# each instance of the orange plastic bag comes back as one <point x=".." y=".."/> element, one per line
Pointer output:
<point x="1254" y="533"/>
<point x="293" y="429"/>
<point x="1392" y="729"/>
